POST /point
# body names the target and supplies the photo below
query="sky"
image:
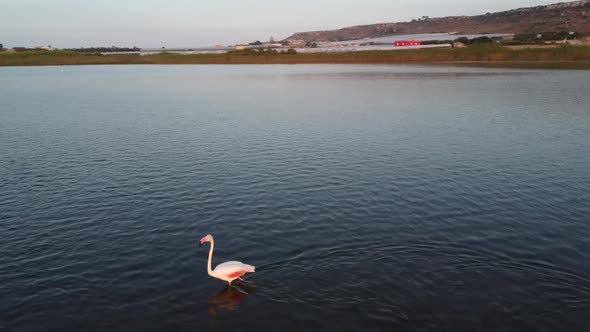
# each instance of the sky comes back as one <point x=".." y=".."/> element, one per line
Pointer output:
<point x="192" y="23"/>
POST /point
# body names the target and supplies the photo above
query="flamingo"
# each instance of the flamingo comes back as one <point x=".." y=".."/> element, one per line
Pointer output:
<point x="228" y="271"/>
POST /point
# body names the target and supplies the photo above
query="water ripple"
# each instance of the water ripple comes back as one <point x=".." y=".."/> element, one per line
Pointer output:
<point x="369" y="197"/>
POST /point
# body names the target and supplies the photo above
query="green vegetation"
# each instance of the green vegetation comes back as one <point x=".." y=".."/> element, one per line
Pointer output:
<point x="475" y="41"/>
<point x="260" y="52"/>
<point x="464" y="40"/>
<point x="550" y="36"/>
<point x="559" y="57"/>
<point x="542" y="38"/>
<point x="436" y="42"/>
<point x="104" y="49"/>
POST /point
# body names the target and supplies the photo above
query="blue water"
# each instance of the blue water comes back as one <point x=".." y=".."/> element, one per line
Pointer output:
<point x="414" y="198"/>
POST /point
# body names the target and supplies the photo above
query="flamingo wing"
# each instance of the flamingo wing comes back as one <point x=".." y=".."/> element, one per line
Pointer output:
<point x="233" y="269"/>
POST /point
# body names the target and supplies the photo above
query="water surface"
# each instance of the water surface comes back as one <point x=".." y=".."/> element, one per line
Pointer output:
<point x="411" y="198"/>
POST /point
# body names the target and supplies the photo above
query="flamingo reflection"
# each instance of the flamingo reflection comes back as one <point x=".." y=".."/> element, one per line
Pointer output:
<point x="229" y="298"/>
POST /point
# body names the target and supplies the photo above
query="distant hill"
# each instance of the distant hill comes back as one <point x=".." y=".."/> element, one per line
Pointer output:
<point x="567" y="16"/>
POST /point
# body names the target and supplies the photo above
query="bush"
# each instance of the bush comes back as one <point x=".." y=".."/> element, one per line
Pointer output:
<point x="481" y="40"/>
<point x="246" y="51"/>
<point x="94" y="50"/>
<point x="436" y="42"/>
<point x="475" y="41"/>
<point x="255" y="52"/>
<point x="463" y="40"/>
<point x="539" y="38"/>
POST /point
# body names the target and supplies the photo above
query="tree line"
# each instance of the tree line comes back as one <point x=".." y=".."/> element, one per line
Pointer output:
<point x="261" y="51"/>
<point x="104" y="49"/>
<point x="474" y="41"/>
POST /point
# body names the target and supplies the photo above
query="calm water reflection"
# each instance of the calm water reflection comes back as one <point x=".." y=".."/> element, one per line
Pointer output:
<point x="229" y="298"/>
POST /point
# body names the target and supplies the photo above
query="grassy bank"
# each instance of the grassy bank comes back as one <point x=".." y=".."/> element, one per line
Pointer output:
<point x="566" y="57"/>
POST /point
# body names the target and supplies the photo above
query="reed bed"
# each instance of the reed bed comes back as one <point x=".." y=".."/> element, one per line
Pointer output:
<point x="565" y="56"/>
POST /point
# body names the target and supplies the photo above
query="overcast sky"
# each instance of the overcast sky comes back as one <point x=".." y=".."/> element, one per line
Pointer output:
<point x="178" y="23"/>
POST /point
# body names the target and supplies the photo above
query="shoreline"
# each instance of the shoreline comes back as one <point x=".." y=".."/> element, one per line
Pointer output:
<point x="541" y="65"/>
<point x="567" y="57"/>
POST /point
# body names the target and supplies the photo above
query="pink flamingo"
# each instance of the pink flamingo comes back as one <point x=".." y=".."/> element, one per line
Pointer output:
<point x="228" y="271"/>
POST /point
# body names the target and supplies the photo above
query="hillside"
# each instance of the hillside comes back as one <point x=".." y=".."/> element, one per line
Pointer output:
<point x="567" y="16"/>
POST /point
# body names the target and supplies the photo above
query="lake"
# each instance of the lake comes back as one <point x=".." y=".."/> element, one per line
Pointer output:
<point x="369" y="197"/>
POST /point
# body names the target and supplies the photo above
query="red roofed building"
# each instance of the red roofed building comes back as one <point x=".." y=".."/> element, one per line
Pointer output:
<point x="401" y="43"/>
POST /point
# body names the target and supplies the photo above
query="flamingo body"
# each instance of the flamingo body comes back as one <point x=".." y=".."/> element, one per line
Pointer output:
<point x="228" y="271"/>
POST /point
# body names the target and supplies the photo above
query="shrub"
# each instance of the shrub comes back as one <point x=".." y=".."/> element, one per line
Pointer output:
<point x="481" y="40"/>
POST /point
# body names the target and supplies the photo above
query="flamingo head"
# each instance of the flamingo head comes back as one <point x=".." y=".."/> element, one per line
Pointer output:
<point x="206" y="239"/>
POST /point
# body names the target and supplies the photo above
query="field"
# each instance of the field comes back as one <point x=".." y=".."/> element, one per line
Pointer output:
<point x="559" y="57"/>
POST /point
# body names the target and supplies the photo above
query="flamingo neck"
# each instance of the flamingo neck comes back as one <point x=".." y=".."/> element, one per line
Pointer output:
<point x="209" y="270"/>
